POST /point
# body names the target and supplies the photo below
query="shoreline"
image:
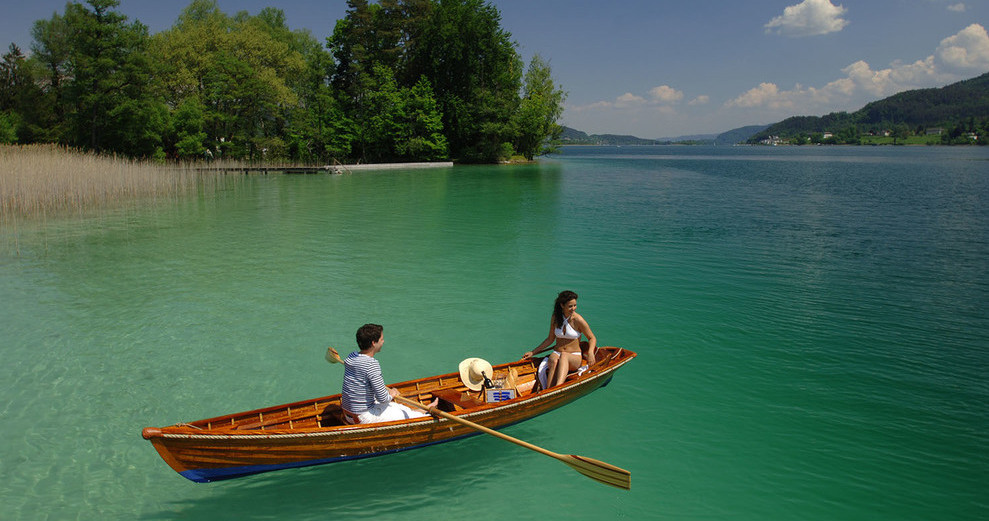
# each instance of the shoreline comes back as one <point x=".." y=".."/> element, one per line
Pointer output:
<point x="325" y="169"/>
<point x="45" y="180"/>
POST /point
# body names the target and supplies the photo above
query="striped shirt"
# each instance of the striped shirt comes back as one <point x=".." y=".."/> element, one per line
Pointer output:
<point x="363" y="384"/>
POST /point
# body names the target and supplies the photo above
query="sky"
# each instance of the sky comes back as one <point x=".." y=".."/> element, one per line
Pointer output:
<point x="660" y="69"/>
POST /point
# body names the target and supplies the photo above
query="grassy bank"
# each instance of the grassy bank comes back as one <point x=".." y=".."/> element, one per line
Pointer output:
<point x="47" y="180"/>
<point x="910" y="140"/>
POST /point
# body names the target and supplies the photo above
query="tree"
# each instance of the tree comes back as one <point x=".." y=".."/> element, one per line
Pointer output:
<point x="537" y="130"/>
<point x="20" y="97"/>
<point x="370" y="35"/>
<point x="900" y="131"/>
<point x="317" y="127"/>
<point x="50" y="50"/>
<point x="8" y="127"/>
<point x="399" y="80"/>
<point x="848" y="135"/>
<point x="109" y="95"/>
<point x="13" y="78"/>
<point x="240" y="69"/>
<point x="189" y="136"/>
<point x="420" y="133"/>
<point x="476" y="74"/>
<point x="398" y="123"/>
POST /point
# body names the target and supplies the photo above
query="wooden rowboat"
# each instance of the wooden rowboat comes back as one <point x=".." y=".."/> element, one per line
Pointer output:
<point x="312" y="432"/>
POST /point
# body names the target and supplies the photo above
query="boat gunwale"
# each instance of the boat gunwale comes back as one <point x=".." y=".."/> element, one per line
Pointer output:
<point x="620" y="357"/>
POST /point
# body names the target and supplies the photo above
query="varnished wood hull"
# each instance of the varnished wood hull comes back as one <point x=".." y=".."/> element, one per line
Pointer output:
<point x="310" y="433"/>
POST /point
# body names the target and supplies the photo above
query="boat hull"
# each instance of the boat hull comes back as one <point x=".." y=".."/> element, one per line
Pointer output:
<point x="203" y="452"/>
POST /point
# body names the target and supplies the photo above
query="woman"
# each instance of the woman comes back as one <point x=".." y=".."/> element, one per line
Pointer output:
<point x="565" y="328"/>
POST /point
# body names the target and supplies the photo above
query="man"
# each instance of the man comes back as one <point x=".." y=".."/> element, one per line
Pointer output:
<point x="366" y="398"/>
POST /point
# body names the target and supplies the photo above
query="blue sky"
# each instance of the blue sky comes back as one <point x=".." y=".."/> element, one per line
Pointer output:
<point x="656" y="68"/>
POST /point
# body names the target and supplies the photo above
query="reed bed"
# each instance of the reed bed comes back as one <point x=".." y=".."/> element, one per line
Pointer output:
<point x="49" y="180"/>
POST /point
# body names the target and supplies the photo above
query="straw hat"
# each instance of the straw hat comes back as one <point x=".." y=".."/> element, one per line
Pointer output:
<point x="470" y="373"/>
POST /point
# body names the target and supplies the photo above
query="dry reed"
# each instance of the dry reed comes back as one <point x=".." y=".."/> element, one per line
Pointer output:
<point x="47" y="180"/>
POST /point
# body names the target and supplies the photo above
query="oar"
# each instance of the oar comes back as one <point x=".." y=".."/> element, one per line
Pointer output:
<point x="592" y="468"/>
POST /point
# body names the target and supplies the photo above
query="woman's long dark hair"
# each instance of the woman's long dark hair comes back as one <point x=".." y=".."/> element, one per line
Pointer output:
<point x="561" y="299"/>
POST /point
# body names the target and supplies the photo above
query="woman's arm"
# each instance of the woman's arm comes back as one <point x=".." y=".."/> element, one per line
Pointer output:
<point x="592" y="341"/>
<point x="542" y="347"/>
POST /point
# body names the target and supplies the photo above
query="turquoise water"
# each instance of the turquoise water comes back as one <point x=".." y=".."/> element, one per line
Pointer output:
<point x="811" y="325"/>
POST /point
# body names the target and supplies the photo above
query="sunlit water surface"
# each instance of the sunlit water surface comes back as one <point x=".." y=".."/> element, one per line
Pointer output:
<point x="811" y="323"/>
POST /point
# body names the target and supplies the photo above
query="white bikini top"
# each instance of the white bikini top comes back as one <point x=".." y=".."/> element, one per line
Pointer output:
<point x="567" y="331"/>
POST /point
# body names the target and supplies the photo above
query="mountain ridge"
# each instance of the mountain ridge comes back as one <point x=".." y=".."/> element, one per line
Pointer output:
<point x="961" y="108"/>
<point x="573" y="136"/>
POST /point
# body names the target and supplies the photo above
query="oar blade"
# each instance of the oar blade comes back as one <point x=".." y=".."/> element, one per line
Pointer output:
<point x="600" y="471"/>
<point x="332" y="356"/>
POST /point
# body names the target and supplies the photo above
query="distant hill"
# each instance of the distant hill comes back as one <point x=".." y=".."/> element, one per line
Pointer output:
<point x="572" y="136"/>
<point x="695" y="139"/>
<point x="738" y="135"/>
<point x="965" y="102"/>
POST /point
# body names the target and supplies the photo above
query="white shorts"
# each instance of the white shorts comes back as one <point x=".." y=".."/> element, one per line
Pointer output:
<point x="389" y="411"/>
<point x="543" y="371"/>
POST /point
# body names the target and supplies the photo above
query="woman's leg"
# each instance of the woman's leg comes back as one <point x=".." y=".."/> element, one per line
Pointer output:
<point x="569" y="362"/>
<point x="551" y="362"/>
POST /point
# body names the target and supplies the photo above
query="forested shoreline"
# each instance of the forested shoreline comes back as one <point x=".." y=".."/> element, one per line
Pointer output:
<point x="956" y="114"/>
<point x="398" y="80"/>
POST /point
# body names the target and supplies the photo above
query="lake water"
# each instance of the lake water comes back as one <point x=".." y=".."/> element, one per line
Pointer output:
<point x="811" y="324"/>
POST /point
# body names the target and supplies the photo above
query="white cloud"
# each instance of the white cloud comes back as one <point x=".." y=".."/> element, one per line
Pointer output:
<point x="966" y="51"/>
<point x="666" y="94"/>
<point x="809" y="18"/>
<point x="631" y="110"/>
<point x="766" y="94"/>
<point x="956" y="58"/>
<point x="629" y="100"/>
<point x="958" y="8"/>
<point x="659" y="98"/>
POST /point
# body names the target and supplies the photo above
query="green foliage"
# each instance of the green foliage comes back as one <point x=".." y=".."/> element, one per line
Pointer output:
<point x="109" y="95"/>
<point x="8" y="128"/>
<point x="189" y="136"/>
<point x="243" y="70"/>
<point x="20" y="97"/>
<point x="399" y="80"/>
<point x="398" y="123"/>
<point x="476" y="72"/>
<point x="420" y="134"/>
<point x="50" y="59"/>
<point x="537" y="130"/>
<point x="317" y="129"/>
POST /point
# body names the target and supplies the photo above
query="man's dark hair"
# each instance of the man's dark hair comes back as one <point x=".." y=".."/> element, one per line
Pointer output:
<point x="367" y="335"/>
